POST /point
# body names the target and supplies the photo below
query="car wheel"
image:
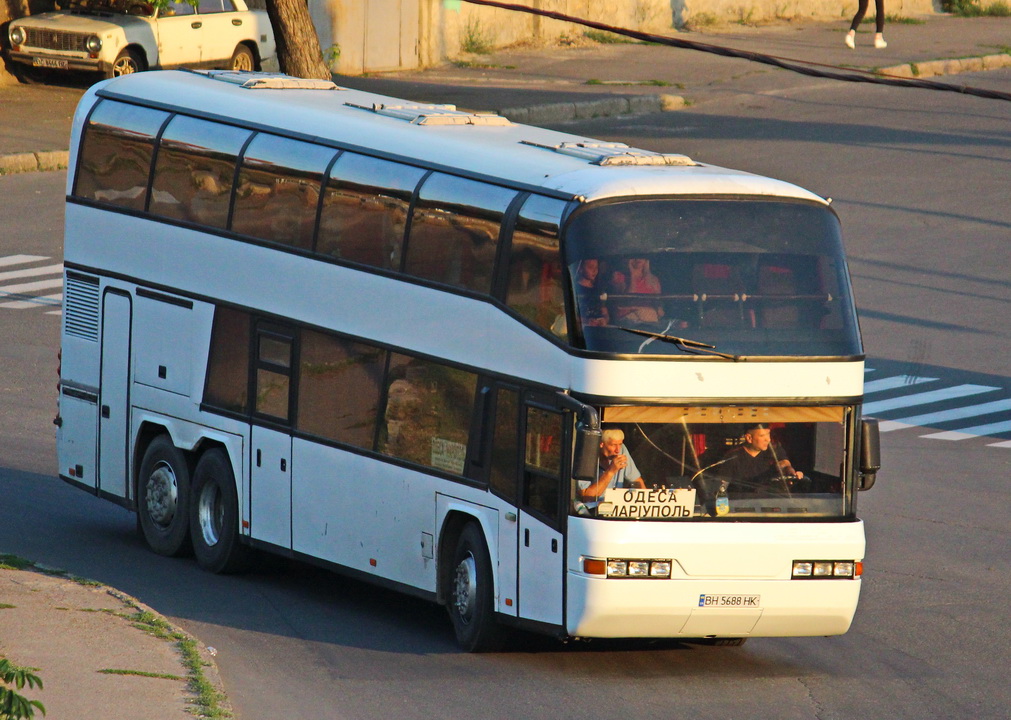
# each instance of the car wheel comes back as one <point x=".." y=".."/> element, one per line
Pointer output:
<point x="163" y="498"/>
<point x="127" y="62"/>
<point x="242" y="60"/>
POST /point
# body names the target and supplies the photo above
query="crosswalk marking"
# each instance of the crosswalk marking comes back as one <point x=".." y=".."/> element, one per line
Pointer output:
<point x="20" y="259"/>
<point x="31" y="272"/>
<point x="966" y="433"/>
<point x="29" y="287"/>
<point x="926" y="398"/>
<point x="892" y="383"/>
<point x="37" y="301"/>
<point x="1000" y="425"/>
<point x="960" y="413"/>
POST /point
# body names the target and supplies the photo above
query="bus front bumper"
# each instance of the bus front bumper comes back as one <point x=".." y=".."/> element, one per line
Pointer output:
<point x="670" y="608"/>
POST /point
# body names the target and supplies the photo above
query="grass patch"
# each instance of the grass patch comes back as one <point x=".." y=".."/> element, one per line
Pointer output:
<point x="977" y="8"/>
<point x="140" y="673"/>
<point x="606" y="38"/>
<point x="475" y="38"/>
<point x="7" y="606"/>
<point x="13" y="562"/>
<point x="700" y="21"/>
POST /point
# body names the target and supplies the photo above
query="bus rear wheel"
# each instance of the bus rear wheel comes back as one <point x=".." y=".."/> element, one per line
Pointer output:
<point x="163" y="496"/>
<point x="471" y="594"/>
<point x="214" y="515"/>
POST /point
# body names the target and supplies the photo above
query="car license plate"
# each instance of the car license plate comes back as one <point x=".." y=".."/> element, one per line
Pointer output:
<point x="50" y="63"/>
<point x="730" y="601"/>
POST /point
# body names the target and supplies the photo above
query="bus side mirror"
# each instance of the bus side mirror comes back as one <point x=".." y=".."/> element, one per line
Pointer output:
<point x="870" y="453"/>
<point x="584" y="461"/>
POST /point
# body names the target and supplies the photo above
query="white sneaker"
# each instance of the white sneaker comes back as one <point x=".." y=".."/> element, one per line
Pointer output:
<point x="879" y="42"/>
<point x="850" y="36"/>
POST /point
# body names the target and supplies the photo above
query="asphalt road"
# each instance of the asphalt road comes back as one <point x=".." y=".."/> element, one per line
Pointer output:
<point x="920" y="181"/>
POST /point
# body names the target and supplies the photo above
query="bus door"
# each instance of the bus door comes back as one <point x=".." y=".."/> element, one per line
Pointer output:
<point x="541" y="570"/>
<point x="525" y="440"/>
<point x="270" y="464"/>
<point x="114" y="394"/>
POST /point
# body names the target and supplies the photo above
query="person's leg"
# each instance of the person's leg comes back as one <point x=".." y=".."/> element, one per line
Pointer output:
<point x="861" y="11"/>
<point x="879" y="24"/>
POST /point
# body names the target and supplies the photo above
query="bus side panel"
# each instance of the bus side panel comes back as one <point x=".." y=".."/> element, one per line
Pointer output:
<point x="362" y="513"/>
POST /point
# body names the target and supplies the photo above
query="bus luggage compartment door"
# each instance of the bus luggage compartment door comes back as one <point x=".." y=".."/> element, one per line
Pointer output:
<point x="270" y="487"/>
<point x="114" y="395"/>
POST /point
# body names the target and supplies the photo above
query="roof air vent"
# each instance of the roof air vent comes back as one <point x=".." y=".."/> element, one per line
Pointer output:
<point x="433" y="114"/>
<point x="266" y="81"/>
<point x="613" y="154"/>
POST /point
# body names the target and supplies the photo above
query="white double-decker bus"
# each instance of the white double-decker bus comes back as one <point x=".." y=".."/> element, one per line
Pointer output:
<point x="400" y="340"/>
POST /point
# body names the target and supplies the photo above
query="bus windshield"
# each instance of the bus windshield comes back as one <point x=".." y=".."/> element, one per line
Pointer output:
<point x="703" y="463"/>
<point x="753" y="277"/>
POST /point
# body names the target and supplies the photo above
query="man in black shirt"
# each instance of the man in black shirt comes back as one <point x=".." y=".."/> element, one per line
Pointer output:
<point x="756" y="462"/>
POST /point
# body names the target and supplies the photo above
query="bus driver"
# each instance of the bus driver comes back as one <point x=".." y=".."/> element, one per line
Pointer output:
<point x="616" y="469"/>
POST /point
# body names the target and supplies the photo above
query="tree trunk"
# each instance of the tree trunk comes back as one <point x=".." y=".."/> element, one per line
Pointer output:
<point x="298" y="50"/>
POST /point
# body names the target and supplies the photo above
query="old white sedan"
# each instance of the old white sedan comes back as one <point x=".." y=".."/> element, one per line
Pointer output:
<point x="117" y="37"/>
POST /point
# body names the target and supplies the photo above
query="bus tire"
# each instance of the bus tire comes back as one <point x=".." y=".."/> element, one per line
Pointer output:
<point x="163" y="497"/>
<point x="214" y="515"/>
<point x="471" y="594"/>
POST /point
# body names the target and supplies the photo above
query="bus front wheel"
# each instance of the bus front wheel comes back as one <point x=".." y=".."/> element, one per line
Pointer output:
<point x="471" y="594"/>
<point x="214" y="515"/>
<point x="163" y="496"/>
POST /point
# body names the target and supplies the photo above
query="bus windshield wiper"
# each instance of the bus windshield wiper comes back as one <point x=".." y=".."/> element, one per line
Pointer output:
<point x="693" y="347"/>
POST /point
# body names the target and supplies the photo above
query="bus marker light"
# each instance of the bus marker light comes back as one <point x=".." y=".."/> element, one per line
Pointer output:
<point x="617" y="568"/>
<point x="594" y="567"/>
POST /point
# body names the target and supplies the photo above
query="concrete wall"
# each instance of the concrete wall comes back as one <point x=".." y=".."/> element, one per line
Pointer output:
<point x="377" y="35"/>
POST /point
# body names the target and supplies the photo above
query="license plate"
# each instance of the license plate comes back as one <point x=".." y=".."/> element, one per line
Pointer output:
<point x="730" y="601"/>
<point x="50" y="63"/>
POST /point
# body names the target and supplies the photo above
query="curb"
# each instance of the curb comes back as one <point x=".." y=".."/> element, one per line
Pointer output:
<point x="934" y="68"/>
<point x="30" y="162"/>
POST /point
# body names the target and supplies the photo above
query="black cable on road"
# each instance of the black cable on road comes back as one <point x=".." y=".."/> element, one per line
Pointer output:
<point x="804" y="67"/>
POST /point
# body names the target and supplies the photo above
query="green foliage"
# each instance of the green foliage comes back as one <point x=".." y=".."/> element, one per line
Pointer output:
<point x="976" y="8"/>
<point x="475" y="39"/>
<point x="606" y="38"/>
<point x="13" y="705"/>
<point x="331" y="55"/>
<point x="13" y="562"/>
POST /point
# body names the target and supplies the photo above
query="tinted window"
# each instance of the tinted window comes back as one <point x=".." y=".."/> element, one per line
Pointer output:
<point x="278" y="190"/>
<point x="364" y="211"/>
<point x="454" y="232"/>
<point x="428" y="413"/>
<point x="542" y="474"/>
<point x="534" y="288"/>
<point x="228" y="365"/>
<point x="115" y="156"/>
<point x="273" y="374"/>
<point x="339" y="388"/>
<point x="195" y="170"/>
<point x="750" y="276"/>
<point x="505" y="444"/>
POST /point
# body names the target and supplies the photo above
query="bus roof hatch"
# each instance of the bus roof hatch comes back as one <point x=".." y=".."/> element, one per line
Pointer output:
<point x="612" y="154"/>
<point x="433" y="114"/>
<point x="266" y="81"/>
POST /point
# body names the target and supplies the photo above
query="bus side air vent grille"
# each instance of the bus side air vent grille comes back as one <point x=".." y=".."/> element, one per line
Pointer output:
<point x="80" y="307"/>
<point x="434" y="114"/>
<point x="266" y="80"/>
<point x="610" y="154"/>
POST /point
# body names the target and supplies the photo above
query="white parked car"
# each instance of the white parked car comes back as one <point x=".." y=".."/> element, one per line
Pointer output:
<point x="118" y="37"/>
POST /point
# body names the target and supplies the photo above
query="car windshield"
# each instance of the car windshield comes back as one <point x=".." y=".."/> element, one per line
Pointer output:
<point x="754" y="277"/>
<point x="720" y="463"/>
<point x="122" y="7"/>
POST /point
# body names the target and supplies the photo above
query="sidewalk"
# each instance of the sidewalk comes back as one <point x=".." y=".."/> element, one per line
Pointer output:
<point x="72" y="632"/>
<point x="553" y="85"/>
<point x="100" y="654"/>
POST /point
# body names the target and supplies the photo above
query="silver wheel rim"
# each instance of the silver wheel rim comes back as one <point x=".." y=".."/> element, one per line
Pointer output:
<point x="465" y="588"/>
<point x="210" y="515"/>
<point x="124" y="66"/>
<point x="161" y="497"/>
